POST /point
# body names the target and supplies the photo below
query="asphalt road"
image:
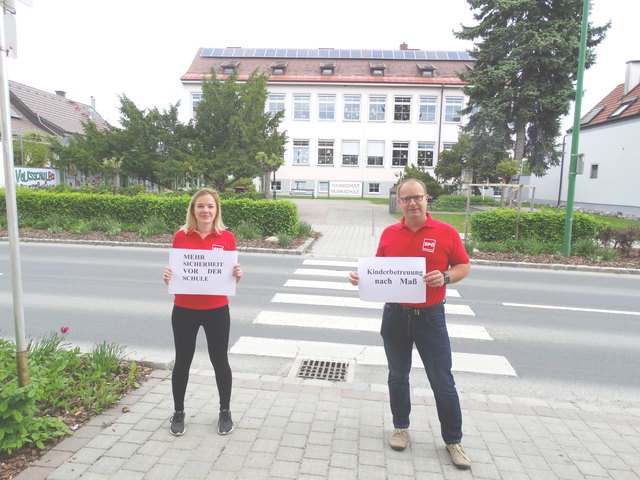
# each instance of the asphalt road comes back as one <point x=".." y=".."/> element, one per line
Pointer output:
<point x="571" y="336"/>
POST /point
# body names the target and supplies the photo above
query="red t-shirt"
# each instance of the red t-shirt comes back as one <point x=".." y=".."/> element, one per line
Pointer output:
<point x="225" y="240"/>
<point x="437" y="241"/>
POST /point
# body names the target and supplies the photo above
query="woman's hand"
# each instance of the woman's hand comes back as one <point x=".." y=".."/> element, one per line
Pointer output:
<point x="354" y="278"/>
<point x="166" y="276"/>
<point x="237" y="272"/>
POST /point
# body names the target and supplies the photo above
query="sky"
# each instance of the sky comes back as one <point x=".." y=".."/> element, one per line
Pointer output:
<point x="141" y="48"/>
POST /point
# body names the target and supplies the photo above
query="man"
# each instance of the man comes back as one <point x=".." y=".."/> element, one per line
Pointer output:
<point x="423" y="324"/>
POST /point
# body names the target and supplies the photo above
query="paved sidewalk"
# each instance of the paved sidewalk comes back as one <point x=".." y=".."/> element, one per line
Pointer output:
<point x="294" y="429"/>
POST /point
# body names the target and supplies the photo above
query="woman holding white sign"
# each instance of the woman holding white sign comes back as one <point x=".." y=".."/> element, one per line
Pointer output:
<point x="203" y="230"/>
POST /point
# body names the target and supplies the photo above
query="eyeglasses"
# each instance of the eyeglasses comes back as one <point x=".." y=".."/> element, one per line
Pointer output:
<point x="415" y="198"/>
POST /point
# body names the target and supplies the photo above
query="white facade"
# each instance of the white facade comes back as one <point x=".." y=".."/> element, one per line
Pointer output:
<point x="353" y="118"/>
<point x="611" y="170"/>
<point x="356" y="130"/>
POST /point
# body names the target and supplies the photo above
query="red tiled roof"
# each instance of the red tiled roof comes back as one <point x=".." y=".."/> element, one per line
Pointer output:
<point x="48" y="112"/>
<point x="610" y="103"/>
<point x="346" y="70"/>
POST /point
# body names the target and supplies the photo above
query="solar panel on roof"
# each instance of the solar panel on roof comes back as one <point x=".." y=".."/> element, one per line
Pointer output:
<point x="331" y="53"/>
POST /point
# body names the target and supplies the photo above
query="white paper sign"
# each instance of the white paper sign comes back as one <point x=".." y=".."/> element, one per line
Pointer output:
<point x="202" y="272"/>
<point x="392" y="279"/>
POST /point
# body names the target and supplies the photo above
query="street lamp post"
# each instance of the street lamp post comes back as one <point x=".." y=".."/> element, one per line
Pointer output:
<point x="575" y="136"/>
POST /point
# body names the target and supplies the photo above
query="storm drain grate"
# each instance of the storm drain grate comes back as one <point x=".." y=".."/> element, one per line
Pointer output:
<point x="323" y="370"/>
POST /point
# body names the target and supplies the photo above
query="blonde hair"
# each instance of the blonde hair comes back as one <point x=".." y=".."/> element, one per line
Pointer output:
<point x="191" y="223"/>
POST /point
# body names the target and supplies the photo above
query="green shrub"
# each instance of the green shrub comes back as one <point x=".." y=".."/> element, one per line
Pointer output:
<point x="305" y="229"/>
<point x="4" y="222"/>
<point x="109" y="225"/>
<point x="247" y="230"/>
<point x="284" y="239"/>
<point x="36" y="206"/>
<point x="548" y="226"/>
<point x="153" y="226"/>
<point x="81" y="227"/>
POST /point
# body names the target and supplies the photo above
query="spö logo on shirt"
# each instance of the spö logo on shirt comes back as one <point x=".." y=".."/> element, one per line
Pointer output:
<point x="217" y="247"/>
<point x="429" y="245"/>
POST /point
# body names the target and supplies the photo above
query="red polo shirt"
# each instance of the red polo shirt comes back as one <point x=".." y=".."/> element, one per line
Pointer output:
<point x="437" y="241"/>
<point x="225" y="240"/>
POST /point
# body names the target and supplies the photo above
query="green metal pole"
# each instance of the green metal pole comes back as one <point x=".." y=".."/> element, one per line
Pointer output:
<point x="575" y="135"/>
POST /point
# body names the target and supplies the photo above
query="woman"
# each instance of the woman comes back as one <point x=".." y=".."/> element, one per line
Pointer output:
<point x="203" y="230"/>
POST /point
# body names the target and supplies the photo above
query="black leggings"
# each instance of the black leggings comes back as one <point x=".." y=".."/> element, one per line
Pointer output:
<point x="186" y="323"/>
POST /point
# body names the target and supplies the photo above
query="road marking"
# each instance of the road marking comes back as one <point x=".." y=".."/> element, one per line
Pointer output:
<point x="362" y="324"/>
<point x="322" y="272"/>
<point x="329" y="263"/>
<point x="362" y="354"/>
<point x="341" y="286"/>
<point x="351" y="302"/>
<point x="322" y="285"/>
<point x="574" y="309"/>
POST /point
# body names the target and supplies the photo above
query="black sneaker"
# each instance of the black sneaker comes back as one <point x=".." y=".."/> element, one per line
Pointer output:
<point x="177" y="424"/>
<point x="225" y="424"/>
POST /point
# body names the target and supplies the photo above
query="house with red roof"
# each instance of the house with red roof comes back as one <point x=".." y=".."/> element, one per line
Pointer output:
<point x="354" y="118"/>
<point x="50" y="114"/>
<point x="610" y="143"/>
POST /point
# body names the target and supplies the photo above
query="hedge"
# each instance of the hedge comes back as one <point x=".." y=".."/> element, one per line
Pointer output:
<point x="500" y="225"/>
<point x="270" y="216"/>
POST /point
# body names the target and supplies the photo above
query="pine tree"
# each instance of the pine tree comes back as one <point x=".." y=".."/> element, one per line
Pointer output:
<point x="522" y="82"/>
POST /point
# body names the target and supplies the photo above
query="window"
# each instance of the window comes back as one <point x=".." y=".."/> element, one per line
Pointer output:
<point x="325" y="152"/>
<point x="327" y="68"/>
<point x="402" y="109"/>
<point x="229" y="66"/>
<point x="452" y="107"/>
<point x="299" y="185"/>
<point x="323" y="187"/>
<point x="350" y="151"/>
<point x="352" y="107"/>
<point x="377" y="69"/>
<point x="425" y="154"/>
<point x="427" y="109"/>
<point x="426" y="69"/>
<point x="301" y="152"/>
<point x="447" y="146"/>
<point x="275" y="103"/>
<point x="374" y="188"/>
<point x="277" y="184"/>
<point x="326" y="107"/>
<point x="196" y="98"/>
<point x="623" y="106"/>
<point x="301" y="107"/>
<point x="377" y="108"/>
<point x="400" y="154"/>
<point x="594" y="171"/>
<point x="591" y="115"/>
<point x="278" y="68"/>
<point x="375" y="153"/>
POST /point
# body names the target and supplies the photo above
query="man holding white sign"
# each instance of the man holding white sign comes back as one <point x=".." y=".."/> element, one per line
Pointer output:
<point x="405" y="323"/>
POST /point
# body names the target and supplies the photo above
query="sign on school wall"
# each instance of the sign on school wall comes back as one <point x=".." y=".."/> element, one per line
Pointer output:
<point x="36" y="177"/>
<point x="345" y="188"/>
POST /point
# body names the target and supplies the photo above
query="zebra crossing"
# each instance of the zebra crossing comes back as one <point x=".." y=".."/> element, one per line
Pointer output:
<point x="334" y="273"/>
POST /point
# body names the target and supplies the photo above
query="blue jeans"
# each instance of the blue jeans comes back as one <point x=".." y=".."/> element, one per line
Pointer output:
<point x="428" y="331"/>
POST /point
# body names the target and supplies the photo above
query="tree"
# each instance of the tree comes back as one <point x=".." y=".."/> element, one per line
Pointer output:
<point x="411" y="171"/>
<point x="269" y="164"/>
<point x="522" y="82"/>
<point x="477" y="153"/>
<point x="231" y="126"/>
<point x="34" y="149"/>
<point x="152" y="145"/>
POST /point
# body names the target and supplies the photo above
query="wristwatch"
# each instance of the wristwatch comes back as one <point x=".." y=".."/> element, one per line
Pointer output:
<point x="447" y="278"/>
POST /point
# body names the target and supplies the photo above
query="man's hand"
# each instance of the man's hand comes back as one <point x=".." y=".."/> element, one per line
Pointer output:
<point x="354" y="278"/>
